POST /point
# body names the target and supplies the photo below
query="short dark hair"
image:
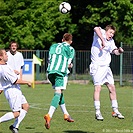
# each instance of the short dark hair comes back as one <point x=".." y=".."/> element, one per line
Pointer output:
<point x="110" y="27"/>
<point x="13" y="42"/>
<point x="67" y="37"/>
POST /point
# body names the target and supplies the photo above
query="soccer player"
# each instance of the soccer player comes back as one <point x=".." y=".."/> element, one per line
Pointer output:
<point x="102" y="47"/>
<point x="15" y="59"/>
<point x="60" y="59"/>
<point x="16" y="62"/>
<point x="9" y="83"/>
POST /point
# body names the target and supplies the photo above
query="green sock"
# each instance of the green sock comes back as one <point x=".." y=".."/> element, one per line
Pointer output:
<point x="55" y="100"/>
<point x="62" y="101"/>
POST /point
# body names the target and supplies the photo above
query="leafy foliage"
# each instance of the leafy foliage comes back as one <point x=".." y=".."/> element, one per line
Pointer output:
<point x="116" y="12"/>
<point x="36" y="24"/>
<point x="32" y="23"/>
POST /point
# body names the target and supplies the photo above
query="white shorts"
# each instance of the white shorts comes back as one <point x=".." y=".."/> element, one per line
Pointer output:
<point x="101" y="74"/>
<point x="65" y="81"/>
<point x="15" y="98"/>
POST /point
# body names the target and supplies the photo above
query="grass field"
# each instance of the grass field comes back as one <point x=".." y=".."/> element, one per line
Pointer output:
<point x="79" y="101"/>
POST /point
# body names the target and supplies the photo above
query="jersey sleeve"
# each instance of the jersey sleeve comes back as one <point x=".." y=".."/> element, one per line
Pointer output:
<point x="72" y="54"/>
<point x="113" y="46"/>
<point x="10" y="75"/>
<point x="1" y="88"/>
<point x="22" y="60"/>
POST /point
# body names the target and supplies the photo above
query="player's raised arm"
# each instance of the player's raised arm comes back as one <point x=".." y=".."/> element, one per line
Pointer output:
<point x="99" y="34"/>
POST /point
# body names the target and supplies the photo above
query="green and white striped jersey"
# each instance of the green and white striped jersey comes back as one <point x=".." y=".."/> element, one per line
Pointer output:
<point x="60" y="55"/>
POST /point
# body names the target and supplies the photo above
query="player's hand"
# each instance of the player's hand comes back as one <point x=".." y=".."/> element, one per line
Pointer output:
<point x="103" y="45"/>
<point x="121" y="50"/>
<point x="70" y="65"/>
<point x="16" y="72"/>
<point x="1" y="91"/>
<point x="29" y="84"/>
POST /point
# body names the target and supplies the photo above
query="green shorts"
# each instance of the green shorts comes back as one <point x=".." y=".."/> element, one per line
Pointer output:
<point x="58" y="81"/>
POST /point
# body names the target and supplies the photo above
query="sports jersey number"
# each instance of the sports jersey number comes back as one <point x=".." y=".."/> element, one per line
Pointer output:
<point x="58" y="49"/>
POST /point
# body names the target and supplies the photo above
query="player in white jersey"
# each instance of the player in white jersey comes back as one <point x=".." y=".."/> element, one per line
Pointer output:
<point x="60" y="58"/>
<point x="9" y="84"/>
<point x="15" y="59"/>
<point x="102" y="47"/>
<point x="16" y="62"/>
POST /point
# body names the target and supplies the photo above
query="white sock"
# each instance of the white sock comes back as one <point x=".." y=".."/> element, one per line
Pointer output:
<point x="8" y="116"/>
<point x="20" y="118"/>
<point x="97" y="106"/>
<point x="63" y="108"/>
<point x="114" y="105"/>
<point x="51" y="111"/>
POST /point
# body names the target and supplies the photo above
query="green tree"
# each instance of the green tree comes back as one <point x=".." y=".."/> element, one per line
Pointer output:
<point x="36" y="24"/>
<point x="116" y="12"/>
<point x="32" y="23"/>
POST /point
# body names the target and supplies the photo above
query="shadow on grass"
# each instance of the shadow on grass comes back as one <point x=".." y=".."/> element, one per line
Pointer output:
<point x="39" y="132"/>
<point x="5" y="110"/>
<point x="29" y="127"/>
<point x="77" y="131"/>
<point x="32" y="128"/>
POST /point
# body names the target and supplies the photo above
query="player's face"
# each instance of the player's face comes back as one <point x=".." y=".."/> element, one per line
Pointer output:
<point x="109" y="34"/>
<point x="13" y="47"/>
<point x="5" y="56"/>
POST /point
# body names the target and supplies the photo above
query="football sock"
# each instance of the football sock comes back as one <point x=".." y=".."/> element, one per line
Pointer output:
<point x="55" y="100"/>
<point x="51" y="111"/>
<point x="20" y="118"/>
<point x="8" y="116"/>
<point x="115" y="106"/>
<point x="63" y="108"/>
<point x="54" y="104"/>
<point x="97" y="106"/>
<point x="62" y="104"/>
<point x="62" y="101"/>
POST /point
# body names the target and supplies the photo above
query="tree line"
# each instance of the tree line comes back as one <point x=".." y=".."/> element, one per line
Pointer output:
<point x="36" y="24"/>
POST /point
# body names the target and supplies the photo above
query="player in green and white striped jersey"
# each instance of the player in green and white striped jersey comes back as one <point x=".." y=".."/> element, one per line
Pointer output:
<point x="60" y="59"/>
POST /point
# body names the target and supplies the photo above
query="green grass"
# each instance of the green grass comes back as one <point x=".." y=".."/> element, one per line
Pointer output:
<point x="79" y="102"/>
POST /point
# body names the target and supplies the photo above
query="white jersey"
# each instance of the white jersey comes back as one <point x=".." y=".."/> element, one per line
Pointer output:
<point x="1" y="86"/>
<point x="16" y="61"/>
<point x="12" y="91"/>
<point x="101" y="57"/>
<point x="7" y="78"/>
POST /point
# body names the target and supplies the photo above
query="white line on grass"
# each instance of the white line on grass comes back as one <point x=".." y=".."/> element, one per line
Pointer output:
<point x="37" y="106"/>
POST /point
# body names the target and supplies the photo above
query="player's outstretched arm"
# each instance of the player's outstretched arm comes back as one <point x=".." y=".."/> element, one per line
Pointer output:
<point x="20" y="81"/>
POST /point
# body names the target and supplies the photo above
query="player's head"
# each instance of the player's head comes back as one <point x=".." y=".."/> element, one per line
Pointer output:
<point x="3" y="56"/>
<point x="67" y="37"/>
<point x="110" y="31"/>
<point x="13" y="47"/>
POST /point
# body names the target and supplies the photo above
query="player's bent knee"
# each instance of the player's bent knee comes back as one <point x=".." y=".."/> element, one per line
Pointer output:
<point x="25" y="106"/>
<point x="16" y="114"/>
